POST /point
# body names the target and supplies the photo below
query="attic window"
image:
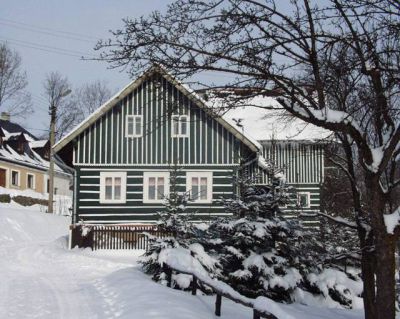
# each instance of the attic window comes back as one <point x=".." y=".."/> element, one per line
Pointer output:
<point x="179" y="126"/>
<point x="134" y="126"/>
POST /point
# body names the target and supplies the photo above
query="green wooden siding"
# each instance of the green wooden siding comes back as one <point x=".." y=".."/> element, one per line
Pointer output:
<point x="302" y="163"/>
<point x="90" y="210"/>
<point x="104" y="142"/>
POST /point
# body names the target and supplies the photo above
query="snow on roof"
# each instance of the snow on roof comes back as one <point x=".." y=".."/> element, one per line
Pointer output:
<point x="263" y="123"/>
<point x="38" y="144"/>
<point x="11" y="127"/>
<point x="31" y="158"/>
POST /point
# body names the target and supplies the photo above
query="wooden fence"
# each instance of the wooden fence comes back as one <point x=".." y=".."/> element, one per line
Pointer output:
<point x="124" y="237"/>
<point x="257" y="313"/>
<point x="115" y="236"/>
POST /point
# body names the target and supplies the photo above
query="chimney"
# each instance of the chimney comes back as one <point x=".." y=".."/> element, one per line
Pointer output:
<point x="5" y="116"/>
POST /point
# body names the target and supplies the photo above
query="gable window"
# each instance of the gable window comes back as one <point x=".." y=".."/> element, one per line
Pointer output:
<point x="303" y="199"/>
<point x="14" y="178"/>
<point x="180" y="126"/>
<point x="30" y="181"/>
<point x="199" y="186"/>
<point x="134" y="126"/>
<point x="112" y="187"/>
<point x="155" y="186"/>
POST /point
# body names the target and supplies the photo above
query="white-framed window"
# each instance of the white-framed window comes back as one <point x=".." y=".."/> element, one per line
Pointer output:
<point x="134" y="126"/>
<point x="30" y="181"/>
<point x="303" y="199"/>
<point x="112" y="187"/>
<point x="155" y="186"/>
<point x="199" y="186"/>
<point x="15" y="178"/>
<point x="180" y="126"/>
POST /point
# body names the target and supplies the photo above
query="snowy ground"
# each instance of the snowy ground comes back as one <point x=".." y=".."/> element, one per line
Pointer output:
<point x="40" y="278"/>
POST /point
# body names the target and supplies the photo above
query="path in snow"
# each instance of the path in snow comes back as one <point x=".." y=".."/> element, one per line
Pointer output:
<point x="40" y="278"/>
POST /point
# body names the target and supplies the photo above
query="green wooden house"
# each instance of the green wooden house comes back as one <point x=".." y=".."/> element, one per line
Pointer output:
<point x="123" y="153"/>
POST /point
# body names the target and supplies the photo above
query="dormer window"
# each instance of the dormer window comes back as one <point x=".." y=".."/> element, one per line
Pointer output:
<point x="180" y="126"/>
<point x="134" y="126"/>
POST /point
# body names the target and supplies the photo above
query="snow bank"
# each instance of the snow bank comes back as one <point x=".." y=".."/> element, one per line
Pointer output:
<point x="62" y="203"/>
<point x="334" y="279"/>
<point x="42" y="278"/>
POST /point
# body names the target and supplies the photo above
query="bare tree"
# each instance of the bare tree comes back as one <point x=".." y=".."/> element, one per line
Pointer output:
<point x="336" y="65"/>
<point x="89" y="97"/>
<point x="55" y="85"/>
<point x="13" y="82"/>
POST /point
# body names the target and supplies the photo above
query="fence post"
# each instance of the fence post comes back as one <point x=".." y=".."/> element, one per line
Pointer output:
<point x="194" y="285"/>
<point x="168" y="271"/>
<point x="256" y="314"/>
<point x="218" y="305"/>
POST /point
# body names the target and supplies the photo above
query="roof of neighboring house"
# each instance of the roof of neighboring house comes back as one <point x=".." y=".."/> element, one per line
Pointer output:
<point x="38" y="144"/>
<point x="11" y="127"/>
<point x="29" y="157"/>
<point x="263" y="118"/>
<point x="191" y="94"/>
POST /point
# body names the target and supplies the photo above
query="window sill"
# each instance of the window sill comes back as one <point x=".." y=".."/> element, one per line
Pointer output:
<point x="156" y="201"/>
<point x="112" y="201"/>
<point x="200" y="201"/>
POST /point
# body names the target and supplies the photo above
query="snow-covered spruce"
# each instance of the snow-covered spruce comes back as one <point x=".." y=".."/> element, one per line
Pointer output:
<point x="256" y="251"/>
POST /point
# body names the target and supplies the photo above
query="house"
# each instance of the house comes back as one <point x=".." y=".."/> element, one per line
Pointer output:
<point x="123" y="153"/>
<point x="24" y="161"/>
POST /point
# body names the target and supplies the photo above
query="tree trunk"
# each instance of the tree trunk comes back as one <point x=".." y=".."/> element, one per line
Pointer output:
<point x="385" y="246"/>
<point x="368" y="265"/>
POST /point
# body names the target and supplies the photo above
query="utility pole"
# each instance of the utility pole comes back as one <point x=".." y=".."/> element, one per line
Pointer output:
<point x="53" y="111"/>
<point x="53" y="116"/>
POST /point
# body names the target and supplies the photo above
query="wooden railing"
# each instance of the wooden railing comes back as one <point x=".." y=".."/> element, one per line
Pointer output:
<point x="257" y="313"/>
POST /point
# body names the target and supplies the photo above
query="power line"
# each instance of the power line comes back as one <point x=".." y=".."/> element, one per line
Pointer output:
<point x="44" y="46"/>
<point x="46" y="32"/>
<point x="38" y="47"/>
<point x="81" y="35"/>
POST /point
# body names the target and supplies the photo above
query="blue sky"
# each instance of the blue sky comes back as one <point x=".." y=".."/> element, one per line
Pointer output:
<point x="25" y="24"/>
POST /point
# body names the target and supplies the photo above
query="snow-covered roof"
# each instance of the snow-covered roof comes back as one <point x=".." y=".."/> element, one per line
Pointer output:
<point x="263" y="118"/>
<point x="191" y="94"/>
<point x="28" y="158"/>
<point x="38" y="144"/>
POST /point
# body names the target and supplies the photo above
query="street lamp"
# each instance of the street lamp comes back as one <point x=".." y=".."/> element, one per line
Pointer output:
<point x="53" y="113"/>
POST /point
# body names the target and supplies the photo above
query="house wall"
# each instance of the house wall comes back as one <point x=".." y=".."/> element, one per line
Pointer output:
<point x="23" y="173"/>
<point x="303" y="165"/>
<point x="62" y="182"/>
<point x="91" y="210"/>
<point x="104" y="143"/>
<point x="104" y="147"/>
